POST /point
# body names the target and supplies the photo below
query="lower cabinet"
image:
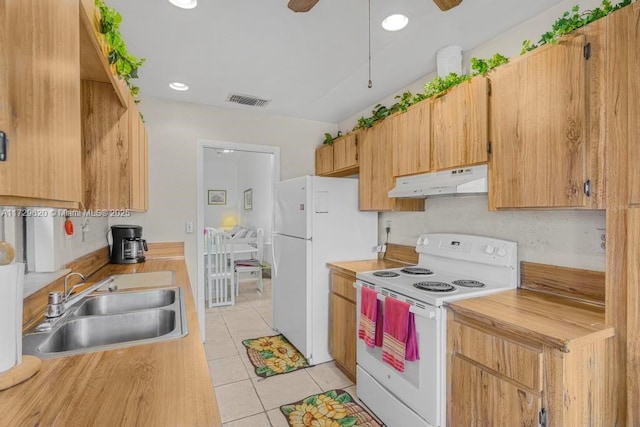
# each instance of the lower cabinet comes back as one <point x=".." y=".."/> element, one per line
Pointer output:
<point x="497" y="378"/>
<point x="342" y="323"/>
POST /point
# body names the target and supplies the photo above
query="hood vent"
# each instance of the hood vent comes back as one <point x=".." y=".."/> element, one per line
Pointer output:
<point x="469" y="180"/>
<point x="250" y="100"/>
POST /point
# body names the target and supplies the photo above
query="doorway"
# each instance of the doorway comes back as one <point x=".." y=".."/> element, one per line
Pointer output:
<point x="236" y="185"/>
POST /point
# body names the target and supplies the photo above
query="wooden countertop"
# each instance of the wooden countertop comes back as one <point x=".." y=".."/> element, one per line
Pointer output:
<point x="353" y="267"/>
<point x="163" y="384"/>
<point x="547" y="319"/>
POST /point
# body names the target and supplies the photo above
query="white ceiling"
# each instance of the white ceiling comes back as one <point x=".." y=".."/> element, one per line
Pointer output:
<point x="311" y="65"/>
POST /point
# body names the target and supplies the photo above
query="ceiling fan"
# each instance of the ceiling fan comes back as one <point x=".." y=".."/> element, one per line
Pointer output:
<point x="306" y="5"/>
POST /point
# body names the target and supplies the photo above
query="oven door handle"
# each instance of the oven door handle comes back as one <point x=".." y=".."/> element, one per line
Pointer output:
<point x="429" y="314"/>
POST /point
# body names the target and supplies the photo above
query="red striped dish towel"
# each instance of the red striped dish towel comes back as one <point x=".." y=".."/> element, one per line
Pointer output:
<point x="369" y="312"/>
<point x="396" y="333"/>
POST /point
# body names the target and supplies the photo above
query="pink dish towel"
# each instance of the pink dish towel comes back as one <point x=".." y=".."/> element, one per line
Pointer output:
<point x="369" y="309"/>
<point x="400" y="339"/>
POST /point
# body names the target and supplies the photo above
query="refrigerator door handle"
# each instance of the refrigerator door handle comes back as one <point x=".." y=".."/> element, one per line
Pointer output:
<point x="273" y="254"/>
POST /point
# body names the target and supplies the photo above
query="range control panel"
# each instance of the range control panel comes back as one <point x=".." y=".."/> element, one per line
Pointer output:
<point x="480" y="249"/>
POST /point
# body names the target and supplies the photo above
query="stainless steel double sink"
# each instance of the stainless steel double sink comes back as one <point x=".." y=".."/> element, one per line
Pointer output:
<point x="109" y="321"/>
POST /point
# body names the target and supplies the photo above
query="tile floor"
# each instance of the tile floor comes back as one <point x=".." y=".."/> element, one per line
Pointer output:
<point x="245" y="399"/>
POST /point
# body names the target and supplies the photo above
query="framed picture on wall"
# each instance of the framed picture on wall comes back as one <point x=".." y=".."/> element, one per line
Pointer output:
<point x="248" y="199"/>
<point x="217" y="197"/>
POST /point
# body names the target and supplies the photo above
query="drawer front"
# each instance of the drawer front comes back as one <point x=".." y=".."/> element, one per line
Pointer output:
<point x="342" y="284"/>
<point x="515" y="361"/>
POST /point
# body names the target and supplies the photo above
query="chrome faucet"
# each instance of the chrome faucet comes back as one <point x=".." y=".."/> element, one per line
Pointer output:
<point x="66" y="280"/>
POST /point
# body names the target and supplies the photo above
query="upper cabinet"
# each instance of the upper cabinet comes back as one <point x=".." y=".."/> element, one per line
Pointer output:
<point x="339" y="159"/>
<point x="138" y="181"/>
<point x="460" y="123"/>
<point x="43" y="156"/>
<point x="376" y="170"/>
<point x="324" y="160"/>
<point x="545" y="126"/>
<point x="632" y="31"/>
<point x="412" y="141"/>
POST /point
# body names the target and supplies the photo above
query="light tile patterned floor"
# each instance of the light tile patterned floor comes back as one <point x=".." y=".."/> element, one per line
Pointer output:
<point x="243" y="398"/>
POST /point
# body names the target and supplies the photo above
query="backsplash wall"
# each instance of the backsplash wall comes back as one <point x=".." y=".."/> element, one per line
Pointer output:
<point x="562" y="237"/>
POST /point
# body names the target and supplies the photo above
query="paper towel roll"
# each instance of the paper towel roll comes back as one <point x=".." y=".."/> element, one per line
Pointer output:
<point x="11" y="280"/>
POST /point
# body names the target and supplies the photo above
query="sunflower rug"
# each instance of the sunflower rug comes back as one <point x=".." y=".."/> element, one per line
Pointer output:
<point x="335" y="408"/>
<point x="274" y="355"/>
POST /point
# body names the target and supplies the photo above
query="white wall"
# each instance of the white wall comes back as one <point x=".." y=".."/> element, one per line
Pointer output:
<point x="174" y="129"/>
<point x="566" y="238"/>
<point x="220" y="174"/>
<point x="255" y="172"/>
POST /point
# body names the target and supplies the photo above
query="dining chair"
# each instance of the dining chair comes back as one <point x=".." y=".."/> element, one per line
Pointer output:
<point x="252" y="266"/>
<point x="219" y="270"/>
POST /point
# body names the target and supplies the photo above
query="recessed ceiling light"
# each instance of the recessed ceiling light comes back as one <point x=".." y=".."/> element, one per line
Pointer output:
<point x="179" y="86"/>
<point x="184" y="4"/>
<point x="395" y="22"/>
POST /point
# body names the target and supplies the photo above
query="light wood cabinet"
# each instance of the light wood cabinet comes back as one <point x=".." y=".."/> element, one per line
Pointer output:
<point x="412" y="143"/>
<point x="480" y="398"/>
<point x="546" y="144"/>
<point x="500" y="378"/>
<point x="376" y="170"/>
<point x="342" y="322"/>
<point x="633" y="65"/>
<point x="345" y="152"/>
<point x="43" y="164"/>
<point x="339" y="159"/>
<point x="139" y="163"/>
<point x="460" y="123"/>
<point x="324" y="160"/>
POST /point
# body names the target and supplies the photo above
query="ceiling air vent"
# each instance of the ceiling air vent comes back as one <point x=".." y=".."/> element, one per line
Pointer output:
<point x="252" y="101"/>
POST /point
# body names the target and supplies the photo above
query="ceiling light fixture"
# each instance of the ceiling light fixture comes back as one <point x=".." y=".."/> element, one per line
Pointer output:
<point x="395" y="22"/>
<point x="184" y="4"/>
<point x="179" y="86"/>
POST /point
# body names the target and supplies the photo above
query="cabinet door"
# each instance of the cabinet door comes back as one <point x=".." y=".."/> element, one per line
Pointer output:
<point x="342" y="334"/>
<point x="139" y="161"/>
<point x="460" y="122"/>
<point x="478" y="398"/>
<point x="345" y="152"/>
<point x="376" y="170"/>
<point x="5" y="105"/>
<point x="539" y="129"/>
<point x="412" y="145"/>
<point x="105" y="142"/>
<point x="44" y="155"/>
<point x="324" y="160"/>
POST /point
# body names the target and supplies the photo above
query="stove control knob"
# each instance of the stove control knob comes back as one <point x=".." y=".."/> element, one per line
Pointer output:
<point x="501" y="252"/>
<point x="419" y="241"/>
<point x="489" y="249"/>
<point x="425" y="242"/>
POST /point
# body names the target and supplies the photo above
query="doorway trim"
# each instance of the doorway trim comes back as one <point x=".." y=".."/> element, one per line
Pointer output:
<point x="236" y="146"/>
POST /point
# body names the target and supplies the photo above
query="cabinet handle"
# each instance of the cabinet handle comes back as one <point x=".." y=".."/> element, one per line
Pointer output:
<point x="4" y="141"/>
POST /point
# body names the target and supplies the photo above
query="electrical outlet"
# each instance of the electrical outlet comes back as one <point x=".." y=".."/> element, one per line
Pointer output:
<point x="601" y="241"/>
<point x="188" y="227"/>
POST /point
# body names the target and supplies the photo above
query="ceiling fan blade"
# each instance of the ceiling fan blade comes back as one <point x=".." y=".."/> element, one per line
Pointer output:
<point x="445" y="5"/>
<point x="302" y="5"/>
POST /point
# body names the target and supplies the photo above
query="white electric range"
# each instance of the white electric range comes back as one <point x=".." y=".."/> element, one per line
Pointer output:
<point x="450" y="267"/>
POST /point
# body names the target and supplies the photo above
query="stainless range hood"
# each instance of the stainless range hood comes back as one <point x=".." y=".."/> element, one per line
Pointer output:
<point x="469" y="180"/>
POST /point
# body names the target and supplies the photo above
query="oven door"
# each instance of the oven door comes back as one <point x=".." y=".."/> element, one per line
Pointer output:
<point x="421" y="386"/>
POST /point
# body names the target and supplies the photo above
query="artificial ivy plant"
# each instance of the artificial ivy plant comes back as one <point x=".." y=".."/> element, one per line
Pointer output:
<point x="569" y="22"/>
<point x="126" y="64"/>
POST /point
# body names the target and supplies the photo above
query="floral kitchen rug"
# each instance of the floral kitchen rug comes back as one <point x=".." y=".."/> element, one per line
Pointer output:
<point x="274" y="355"/>
<point x="335" y="408"/>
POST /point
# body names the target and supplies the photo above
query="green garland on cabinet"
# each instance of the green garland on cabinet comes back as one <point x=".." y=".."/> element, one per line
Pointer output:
<point x="570" y="21"/>
<point x="126" y="64"/>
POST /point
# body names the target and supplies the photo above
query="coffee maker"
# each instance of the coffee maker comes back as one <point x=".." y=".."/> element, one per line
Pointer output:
<point x="128" y="245"/>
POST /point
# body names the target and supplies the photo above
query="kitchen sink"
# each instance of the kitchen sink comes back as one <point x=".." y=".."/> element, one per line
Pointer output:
<point x="122" y="302"/>
<point x="88" y="332"/>
<point x="110" y="321"/>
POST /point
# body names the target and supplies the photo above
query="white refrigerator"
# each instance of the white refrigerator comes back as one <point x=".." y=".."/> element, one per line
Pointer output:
<point x="317" y="220"/>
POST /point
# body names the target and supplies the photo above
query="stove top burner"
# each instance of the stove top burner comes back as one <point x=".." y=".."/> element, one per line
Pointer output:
<point x="434" y="286"/>
<point x="469" y="283"/>
<point x="385" y="274"/>
<point x="418" y="271"/>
